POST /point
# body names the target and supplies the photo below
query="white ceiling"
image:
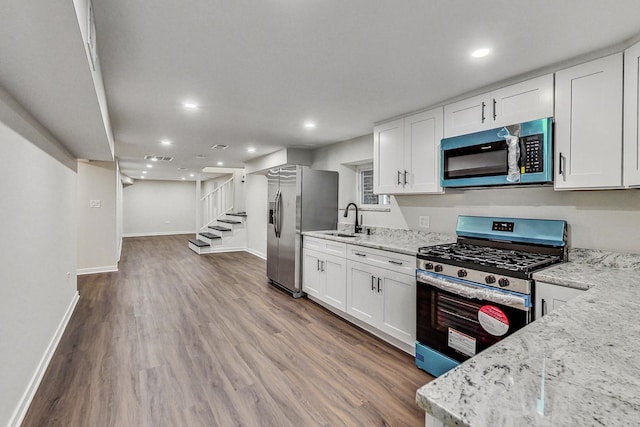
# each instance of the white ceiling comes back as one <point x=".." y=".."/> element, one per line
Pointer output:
<point x="260" y="69"/>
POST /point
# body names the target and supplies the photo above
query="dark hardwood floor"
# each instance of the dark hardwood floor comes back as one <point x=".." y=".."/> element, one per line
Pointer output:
<point x="177" y="339"/>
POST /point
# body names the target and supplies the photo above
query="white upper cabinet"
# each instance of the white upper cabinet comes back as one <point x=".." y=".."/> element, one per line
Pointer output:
<point x="388" y="157"/>
<point x="406" y="154"/>
<point x="467" y="116"/>
<point x="522" y="102"/>
<point x="588" y="125"/>
<point x="631" y="136"/>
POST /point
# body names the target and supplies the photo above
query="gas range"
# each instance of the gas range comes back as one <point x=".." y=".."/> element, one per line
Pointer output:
<point x="477" y="291"/>
<point x="497" y="252"/>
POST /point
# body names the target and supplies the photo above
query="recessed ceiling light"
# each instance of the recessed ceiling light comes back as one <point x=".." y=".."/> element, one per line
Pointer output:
<point x="480" y="53"/>
<point x="183" y="178"/>
<point x="165" y="142"/>
<point x="220" y="163"/>
<point x="155" y="159"/>
<point x="144" y="171"/>
<point x="149" y="166"/>
<point x="190" y="105"/>
<point x="251" y="150"/>
<point x="142" y="177"/>
<point x="309" y="125"/>
<point x="192" y="175"/>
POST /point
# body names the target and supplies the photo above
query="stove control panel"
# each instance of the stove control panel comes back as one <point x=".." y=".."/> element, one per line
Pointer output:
<point x="484" y="278"/>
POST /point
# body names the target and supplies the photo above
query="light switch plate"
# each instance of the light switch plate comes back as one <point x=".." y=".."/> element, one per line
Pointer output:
<point x="424" y="221"/>
<point x="94" y="203"/>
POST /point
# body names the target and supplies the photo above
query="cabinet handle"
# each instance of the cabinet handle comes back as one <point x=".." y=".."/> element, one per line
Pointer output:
<point x="359" y="254"/>
<point x="405" y="177"/>
<point x="318" y="266"/>
<point x="373" y="286"/>
<point x="560" y="164"/>
<point x="395" y="262"/>
<point x="494" y="108"/>
<point x="544" y="306"/>
<point x="483" y="105"/>
<point x="378" y="285"/>
<point x="399" y="178"/>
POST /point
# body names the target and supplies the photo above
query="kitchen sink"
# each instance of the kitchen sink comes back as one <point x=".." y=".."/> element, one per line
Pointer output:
<point x="339" y="234"/>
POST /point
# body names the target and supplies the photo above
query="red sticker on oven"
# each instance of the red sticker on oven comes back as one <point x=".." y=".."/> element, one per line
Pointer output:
<point x="493" y="320"/>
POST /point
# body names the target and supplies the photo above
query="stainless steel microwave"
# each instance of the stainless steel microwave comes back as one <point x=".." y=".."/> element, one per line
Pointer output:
<point x="512" y="155"/>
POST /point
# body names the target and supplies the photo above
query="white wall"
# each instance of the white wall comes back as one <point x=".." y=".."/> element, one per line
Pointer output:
<point x="38" y="253"/>
<point x="597" y="219"/>
<point x="98" y="241"/>
<point x="159" y="207"/>
<point x="255" y="195"/>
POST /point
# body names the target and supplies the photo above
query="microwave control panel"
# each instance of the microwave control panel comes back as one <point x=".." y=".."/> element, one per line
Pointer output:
<point x="532" y="156"/>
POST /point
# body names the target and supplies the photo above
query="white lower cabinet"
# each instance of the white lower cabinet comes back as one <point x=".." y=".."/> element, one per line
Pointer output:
<point x="549" y="297"/>
<point x="376" y="287"/>
<point x="383" y="298"/>
<point x="324" y="274"/>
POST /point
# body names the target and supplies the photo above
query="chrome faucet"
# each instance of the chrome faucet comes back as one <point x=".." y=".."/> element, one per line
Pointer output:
<point x="358" y="227"/>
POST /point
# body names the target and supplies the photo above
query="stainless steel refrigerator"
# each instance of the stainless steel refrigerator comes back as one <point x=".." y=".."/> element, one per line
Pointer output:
<point x="300" y="199"/>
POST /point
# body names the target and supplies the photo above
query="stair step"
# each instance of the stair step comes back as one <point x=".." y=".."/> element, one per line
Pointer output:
<point x="218" y="228"/>
<point x="199" y="243"/>
<point x="230" y="221"/>
<point x="210" y="235"/>
<point x="241" y="214"/>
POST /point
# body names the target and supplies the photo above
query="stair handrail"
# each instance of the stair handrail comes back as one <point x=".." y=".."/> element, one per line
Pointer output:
<point x="217" y="203"/>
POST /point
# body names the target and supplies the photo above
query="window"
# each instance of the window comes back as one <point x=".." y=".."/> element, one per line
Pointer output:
<point x="365" y="189"/>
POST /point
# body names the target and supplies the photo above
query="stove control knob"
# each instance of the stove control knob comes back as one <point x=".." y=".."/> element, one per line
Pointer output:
<point x="462" y="273"/>
<point x="428" y="266"/>
<point x="503" y="282"/>
<point x="490" y="279"/>
<point x="437" y="268"/>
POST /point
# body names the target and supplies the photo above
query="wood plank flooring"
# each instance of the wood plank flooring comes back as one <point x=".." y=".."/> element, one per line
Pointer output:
<point x="177" y="339"/>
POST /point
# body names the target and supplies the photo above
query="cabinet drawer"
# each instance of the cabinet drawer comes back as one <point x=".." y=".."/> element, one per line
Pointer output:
<point x="384" y="259"/>
<point x="324" y="245"/>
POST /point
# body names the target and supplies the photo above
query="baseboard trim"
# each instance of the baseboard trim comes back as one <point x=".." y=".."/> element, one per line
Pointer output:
<point x="30" y="392"/>
<point x="94" y="270"/>
<point x="256" y="253"/>
<point x="158" y="233"/>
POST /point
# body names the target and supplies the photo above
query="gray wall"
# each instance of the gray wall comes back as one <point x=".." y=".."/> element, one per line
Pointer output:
<point x="597" y="219"/>
<point x="98" y="234"/>
<point x="255" y="195"/>
<point x="38" y="253"/>
<point x="159" y="207"/>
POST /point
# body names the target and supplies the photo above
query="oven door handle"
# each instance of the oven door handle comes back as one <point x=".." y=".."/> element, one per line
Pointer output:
<point x="474" y="291"/>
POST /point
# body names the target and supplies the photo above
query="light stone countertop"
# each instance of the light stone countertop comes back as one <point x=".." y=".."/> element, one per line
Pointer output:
<point x="401" y="241"/>
<point x="590" y="347"/>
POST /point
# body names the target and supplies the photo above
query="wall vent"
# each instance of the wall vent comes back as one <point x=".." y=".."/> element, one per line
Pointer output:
<point x="219" y="147"/>
<point x="158" y="158"/>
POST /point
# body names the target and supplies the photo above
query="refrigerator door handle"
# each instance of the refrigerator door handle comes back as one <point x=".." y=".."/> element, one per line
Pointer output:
<point x="275" y="213"/>
<point x="278" y="213"/>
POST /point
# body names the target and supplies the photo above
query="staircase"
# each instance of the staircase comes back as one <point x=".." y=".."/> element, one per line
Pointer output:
<point x="221" y="229"/>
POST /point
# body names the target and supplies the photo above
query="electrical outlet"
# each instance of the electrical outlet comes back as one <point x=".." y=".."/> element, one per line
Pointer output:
<point x="94" y="203"/>
<point x="424" y="221"/>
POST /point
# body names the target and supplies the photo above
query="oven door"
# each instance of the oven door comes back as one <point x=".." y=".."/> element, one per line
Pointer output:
<point x="459" y="319"/>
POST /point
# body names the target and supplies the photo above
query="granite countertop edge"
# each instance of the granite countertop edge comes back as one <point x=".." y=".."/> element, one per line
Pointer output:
<point x="405" y="242"/>
<point x="612" y="285"/>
